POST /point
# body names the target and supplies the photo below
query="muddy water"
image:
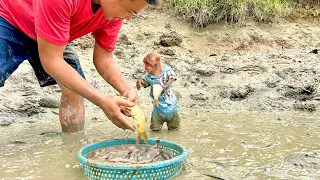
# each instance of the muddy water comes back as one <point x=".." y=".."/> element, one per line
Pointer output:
<point x="240" y="145"/>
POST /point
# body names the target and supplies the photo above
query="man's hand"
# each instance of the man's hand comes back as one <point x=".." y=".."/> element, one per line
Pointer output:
<point x="140" y="83"/>
<point x="112" y="109"/>
<point x="132" y="96"/>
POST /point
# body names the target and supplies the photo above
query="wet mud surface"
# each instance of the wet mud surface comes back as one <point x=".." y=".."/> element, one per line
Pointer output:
<point x="266" y="68"/>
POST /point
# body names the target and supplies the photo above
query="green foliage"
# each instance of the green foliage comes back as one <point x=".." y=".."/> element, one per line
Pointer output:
<point x="203" y="12"/>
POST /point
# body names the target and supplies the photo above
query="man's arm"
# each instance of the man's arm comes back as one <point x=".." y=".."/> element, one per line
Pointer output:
<point x="51" y="57"/>
<point x="108" y="68"/>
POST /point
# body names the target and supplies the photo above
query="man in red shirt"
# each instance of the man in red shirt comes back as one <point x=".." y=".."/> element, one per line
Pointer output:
<point x="42" y="30"/>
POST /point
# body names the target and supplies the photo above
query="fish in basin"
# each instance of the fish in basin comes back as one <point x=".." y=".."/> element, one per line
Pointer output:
<point x="130" y="154"/>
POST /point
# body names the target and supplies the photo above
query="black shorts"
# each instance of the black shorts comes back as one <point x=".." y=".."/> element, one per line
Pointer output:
<point x="15" y="47"/>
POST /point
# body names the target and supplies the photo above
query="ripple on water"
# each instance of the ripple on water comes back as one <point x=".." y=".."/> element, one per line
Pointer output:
<point x="240" y="145"/>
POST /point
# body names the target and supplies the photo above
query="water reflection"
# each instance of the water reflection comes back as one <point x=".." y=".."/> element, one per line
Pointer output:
<point x="240" y="145"/>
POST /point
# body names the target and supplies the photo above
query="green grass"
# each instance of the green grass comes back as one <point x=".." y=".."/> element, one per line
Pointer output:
<point x="204" y="12"/>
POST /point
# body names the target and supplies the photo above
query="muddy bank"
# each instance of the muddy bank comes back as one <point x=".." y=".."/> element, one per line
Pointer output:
<point x="252" y="67"/>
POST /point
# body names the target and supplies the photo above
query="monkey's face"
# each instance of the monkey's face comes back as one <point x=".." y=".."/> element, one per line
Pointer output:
<point x="150" y="64"/>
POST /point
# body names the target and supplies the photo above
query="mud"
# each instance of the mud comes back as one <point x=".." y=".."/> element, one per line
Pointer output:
<point x="233" y="68"/>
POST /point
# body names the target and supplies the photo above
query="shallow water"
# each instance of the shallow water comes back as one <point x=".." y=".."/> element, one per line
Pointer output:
<point x="239" y="145"/>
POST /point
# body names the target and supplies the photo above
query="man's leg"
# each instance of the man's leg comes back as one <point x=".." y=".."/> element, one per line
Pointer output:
<point x="71" y="111"/>
<point x="15" y="47"/>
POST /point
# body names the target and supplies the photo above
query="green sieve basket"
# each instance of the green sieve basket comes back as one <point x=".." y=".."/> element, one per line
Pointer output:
<point x="95" y="170"/>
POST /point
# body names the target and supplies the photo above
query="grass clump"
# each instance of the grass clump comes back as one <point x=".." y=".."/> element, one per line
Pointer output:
<point x="204" y="12"/>
<point x="306" y="8"/>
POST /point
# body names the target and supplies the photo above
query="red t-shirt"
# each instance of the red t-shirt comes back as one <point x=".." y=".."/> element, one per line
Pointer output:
<point x="60" y="21"/>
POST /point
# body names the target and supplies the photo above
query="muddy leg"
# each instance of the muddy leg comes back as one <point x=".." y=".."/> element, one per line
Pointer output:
<point x="71" y="111"/>
<point x="173" y="117"/>
<point x="156" y="121"/>
<point x="174" y="122"/>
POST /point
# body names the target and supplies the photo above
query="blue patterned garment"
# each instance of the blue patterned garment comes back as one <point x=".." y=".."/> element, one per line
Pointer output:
<point x="168" y="96"/>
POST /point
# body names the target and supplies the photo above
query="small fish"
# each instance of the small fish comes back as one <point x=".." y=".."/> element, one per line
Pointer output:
<point x="130" y="154"/>
<point x="166" y="155"/>
<point x="156" y="92"/>
<point x="16" y="142"/>
<point x="314" y="51"/>
<point x="139" y="119"/>
<point x="215" y="177"/>
<point x="50" y="133"/>
<point x="150" y="153"/>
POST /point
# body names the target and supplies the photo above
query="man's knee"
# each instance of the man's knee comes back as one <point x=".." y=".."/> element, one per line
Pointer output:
<point x="68" y="94"/>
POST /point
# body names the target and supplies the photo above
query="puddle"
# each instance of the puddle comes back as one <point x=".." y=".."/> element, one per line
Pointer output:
<point x="239" y="145"/>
